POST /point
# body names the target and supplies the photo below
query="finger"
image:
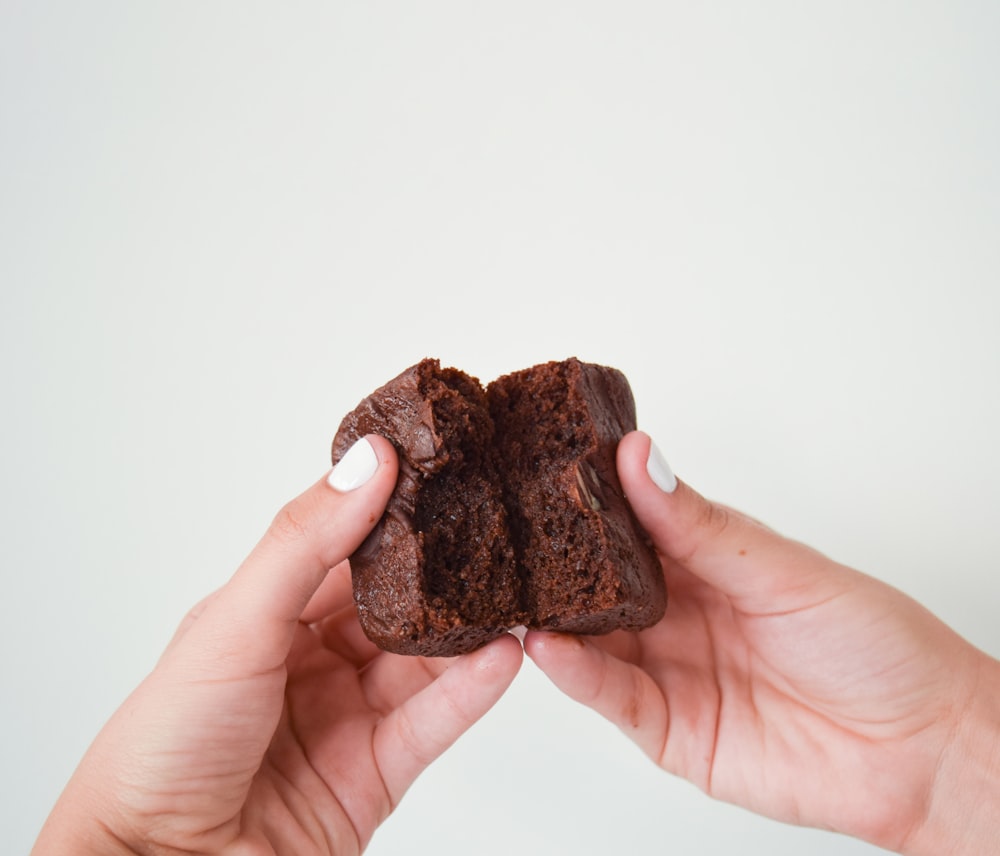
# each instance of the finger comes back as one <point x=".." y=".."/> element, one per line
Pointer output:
<point x="250" y="624"/>
<point x="391" y="679"/>
<point x="333" y="594"/>
<point x="420" y="729"/>
<point x="619" y="691"/>
<point x="188" y="622"/>
<point x="341" y="633"/>
<point x="746" y="560"/>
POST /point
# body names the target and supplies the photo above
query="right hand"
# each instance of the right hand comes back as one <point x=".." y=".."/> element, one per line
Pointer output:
<point x="792" y="685"/>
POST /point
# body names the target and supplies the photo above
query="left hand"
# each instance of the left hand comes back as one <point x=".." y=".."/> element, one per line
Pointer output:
<point x="271" y="724"/>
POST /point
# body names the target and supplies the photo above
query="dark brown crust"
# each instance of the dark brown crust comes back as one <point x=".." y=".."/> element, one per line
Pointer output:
<point x="437" y="576"/>
<point x="409" y="601"/>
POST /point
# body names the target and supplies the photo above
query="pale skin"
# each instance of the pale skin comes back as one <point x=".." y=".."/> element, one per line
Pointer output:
<point x="270" y="724"/>
<point x="778" y="680"/>
<point x="794" y="686"/>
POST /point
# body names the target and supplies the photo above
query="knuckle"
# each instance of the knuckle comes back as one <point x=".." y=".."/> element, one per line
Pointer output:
<point x="290" y="523"/>
<point x="708" y="523"/>
<point x="715" y="519"/>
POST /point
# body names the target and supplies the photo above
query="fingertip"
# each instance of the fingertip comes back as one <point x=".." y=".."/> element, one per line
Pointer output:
<point x="384" y="449"/>
<point x="548" y="649"/>
<point x="633" y="450"/>
<point x="659" y="470"/>
<point x="500" y="658"/>
<point x="372" y="457"/>
<point x="652" y="490"/>
<point x="640" y="461"/>
<point x="354" y="469"/>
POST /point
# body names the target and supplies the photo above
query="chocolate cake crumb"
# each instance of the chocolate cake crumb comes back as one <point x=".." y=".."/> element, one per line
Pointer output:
<point x="584" y="559"/>
<point x="508" y="509"/>
<point x="436" y="576"/>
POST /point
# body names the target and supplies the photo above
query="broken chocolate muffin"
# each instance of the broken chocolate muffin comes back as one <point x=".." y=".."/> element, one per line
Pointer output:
<point x="508" y="509"/>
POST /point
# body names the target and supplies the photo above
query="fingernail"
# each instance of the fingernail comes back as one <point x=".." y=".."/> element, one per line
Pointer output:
<point x="659" y="470"/>
<point x="355" y="468"/>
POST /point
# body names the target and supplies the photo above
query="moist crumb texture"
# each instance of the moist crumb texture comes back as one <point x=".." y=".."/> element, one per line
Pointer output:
<point x="436" y="576"/>
<point x="508" y="509"/>
<point x="586" y="563"/>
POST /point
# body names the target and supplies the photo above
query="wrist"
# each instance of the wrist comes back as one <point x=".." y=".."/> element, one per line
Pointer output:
<point x="963" y="813"/>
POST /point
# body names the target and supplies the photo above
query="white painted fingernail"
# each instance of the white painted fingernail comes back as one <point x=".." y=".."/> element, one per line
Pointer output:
<point x="659" y="470"/>
<point x="355" y="468"/>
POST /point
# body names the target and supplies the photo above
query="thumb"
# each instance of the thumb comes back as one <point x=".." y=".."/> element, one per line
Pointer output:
<point x="755" y="566"/>
<point x="251" y="620"/>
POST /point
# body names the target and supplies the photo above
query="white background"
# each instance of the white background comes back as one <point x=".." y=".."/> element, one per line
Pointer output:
<point x="222" y="224"/>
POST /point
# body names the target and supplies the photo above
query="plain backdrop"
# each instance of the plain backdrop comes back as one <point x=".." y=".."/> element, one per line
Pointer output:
<point x="222" y="224"/>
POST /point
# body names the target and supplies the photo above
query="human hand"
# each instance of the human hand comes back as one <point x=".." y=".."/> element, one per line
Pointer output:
<point x="271" y="724"/>
<point x="792" y="685"/>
